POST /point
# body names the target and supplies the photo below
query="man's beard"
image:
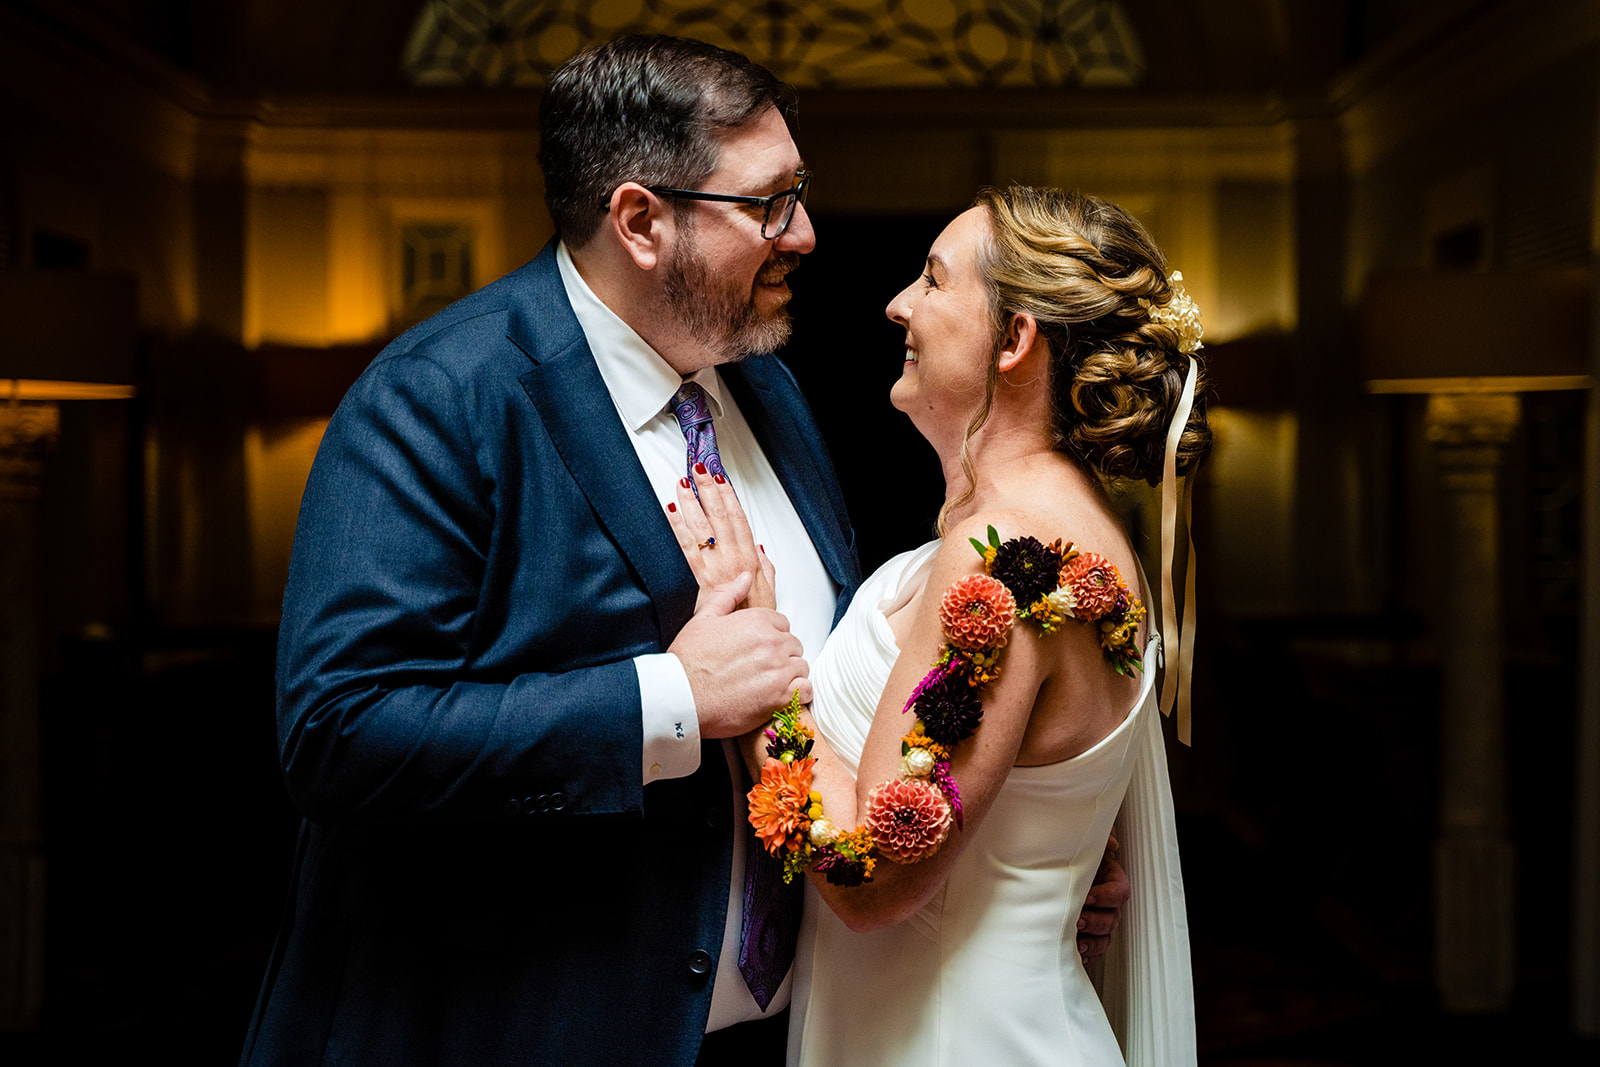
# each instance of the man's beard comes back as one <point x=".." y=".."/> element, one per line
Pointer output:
<point x="716" y="312"/>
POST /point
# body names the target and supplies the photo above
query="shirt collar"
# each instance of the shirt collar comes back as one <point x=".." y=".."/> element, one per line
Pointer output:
<point x="641" y="383"/>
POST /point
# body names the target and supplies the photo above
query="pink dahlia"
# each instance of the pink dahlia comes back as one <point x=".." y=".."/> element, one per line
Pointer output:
<point x="1095" y="585"/>
<point x="908" y="818"/>
<point x="976" y="613"/>
<point x="778" y="803"/>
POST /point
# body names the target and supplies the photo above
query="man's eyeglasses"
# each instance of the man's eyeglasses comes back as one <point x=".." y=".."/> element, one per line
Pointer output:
<point x="779" y="207"/>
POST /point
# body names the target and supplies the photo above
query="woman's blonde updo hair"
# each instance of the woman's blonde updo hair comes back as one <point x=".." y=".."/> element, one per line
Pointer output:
<point x="1080" y="267"/>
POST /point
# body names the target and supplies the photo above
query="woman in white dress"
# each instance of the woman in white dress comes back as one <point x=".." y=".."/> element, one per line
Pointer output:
<point x="1046" y="349"/>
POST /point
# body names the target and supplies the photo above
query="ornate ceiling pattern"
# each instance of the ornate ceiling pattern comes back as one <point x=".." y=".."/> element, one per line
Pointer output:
<point x="813" y="44"/>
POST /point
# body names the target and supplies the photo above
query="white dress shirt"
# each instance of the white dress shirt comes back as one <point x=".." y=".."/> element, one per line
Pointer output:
<point x="641" y="385"/>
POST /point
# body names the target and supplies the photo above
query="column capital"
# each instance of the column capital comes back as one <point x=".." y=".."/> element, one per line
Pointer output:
<point x="28" y="433"/>
<point x="1472" y="419"/>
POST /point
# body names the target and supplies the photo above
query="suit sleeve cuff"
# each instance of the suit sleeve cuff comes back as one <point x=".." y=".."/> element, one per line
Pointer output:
<point x="671" y="728"/>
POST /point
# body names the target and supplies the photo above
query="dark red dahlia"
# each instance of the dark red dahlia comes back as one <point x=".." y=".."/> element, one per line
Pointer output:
<point x="950" y="710"/>
<point x="1028" y="568"/>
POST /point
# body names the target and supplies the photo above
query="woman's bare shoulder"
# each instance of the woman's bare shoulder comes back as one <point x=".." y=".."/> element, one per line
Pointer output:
<point x="1068" y="517"/>
<point x="1083" y="521"/>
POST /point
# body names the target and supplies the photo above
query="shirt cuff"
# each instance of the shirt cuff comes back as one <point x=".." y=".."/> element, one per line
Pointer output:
<point x="671" y="727"/>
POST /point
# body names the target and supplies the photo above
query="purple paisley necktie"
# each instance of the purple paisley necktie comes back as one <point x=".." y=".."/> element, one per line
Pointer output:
<point x="771" y="924"/>
<point x="693" y="409"/>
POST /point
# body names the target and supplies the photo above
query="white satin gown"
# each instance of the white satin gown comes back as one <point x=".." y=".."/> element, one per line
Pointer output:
<point x="988" y="972"/>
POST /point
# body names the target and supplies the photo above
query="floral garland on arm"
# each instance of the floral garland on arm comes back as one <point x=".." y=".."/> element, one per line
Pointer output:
<point x="909" y="817"/>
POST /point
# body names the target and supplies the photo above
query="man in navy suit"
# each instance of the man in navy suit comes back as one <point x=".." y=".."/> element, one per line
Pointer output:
<point x="498" y="709"/>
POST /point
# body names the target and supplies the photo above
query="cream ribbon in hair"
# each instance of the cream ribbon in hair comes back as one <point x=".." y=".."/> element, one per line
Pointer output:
<point x="1177" y="651"/>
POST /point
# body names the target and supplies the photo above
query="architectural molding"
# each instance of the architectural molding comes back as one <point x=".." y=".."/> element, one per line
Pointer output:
<point x="1448" y="62"/>
<point x="29" y="430"/>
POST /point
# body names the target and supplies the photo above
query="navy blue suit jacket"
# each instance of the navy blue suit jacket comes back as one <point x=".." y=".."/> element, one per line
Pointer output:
<point x="481" y="878"/>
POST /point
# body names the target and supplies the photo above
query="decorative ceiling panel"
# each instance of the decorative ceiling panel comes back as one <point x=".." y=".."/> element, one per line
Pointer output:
<point x="816" y="44"/>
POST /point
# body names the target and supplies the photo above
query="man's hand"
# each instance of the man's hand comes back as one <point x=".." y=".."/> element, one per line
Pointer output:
<point x="741" y="664"/>
<point x="1102" y="909"/>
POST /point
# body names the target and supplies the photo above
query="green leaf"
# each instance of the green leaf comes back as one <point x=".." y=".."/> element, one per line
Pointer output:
<point x="979" y="545"/>
<point x="994" y="537"/>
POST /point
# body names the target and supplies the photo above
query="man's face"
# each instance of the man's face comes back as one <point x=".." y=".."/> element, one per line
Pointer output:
<point x="724" y="282"/>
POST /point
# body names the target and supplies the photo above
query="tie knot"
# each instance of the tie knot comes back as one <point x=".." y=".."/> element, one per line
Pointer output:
<point x="693" y="410"/>
<point x="691" y="405"/>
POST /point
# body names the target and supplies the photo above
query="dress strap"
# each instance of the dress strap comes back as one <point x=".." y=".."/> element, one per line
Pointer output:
<point x="1177" y="646"/>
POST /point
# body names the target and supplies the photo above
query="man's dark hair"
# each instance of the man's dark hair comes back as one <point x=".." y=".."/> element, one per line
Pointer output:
<point x="647" y="109"/>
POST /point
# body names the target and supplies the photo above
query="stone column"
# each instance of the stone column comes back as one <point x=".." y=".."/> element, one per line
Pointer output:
<point x="1473" y="857"/>
<point x="1585" y="958"/>
<point x="28" y="431"/>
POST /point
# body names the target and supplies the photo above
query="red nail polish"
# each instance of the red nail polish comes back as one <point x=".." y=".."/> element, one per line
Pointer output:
<point x="671" y="506"/>
<point x="700" y="468"/>
<point x="719" y="478"/>
<point x="763" y="549"/>
<point x="684" y="482"/>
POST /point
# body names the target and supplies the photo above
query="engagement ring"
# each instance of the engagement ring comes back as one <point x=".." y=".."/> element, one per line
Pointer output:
<point x="710" y="542"/>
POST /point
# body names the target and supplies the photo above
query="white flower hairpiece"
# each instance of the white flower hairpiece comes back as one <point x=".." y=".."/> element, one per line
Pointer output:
<point x="1179" y="313"/>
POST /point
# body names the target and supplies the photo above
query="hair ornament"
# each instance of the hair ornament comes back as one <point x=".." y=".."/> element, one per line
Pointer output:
<point x="1179" y="313"/>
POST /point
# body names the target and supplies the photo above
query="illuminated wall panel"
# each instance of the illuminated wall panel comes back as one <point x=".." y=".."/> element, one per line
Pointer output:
<point x="1251" y="487"/>
<point x="287" y="278"/>
<point x="277" y="461"/>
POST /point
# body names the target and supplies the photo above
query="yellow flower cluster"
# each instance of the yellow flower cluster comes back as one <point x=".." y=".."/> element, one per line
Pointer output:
<point x="1117" y="635"/>
<point x="1046" y="613"/>
<point x="858" y="843"/>
<point x="917" y="739"/>
<point x="985" y="667"/>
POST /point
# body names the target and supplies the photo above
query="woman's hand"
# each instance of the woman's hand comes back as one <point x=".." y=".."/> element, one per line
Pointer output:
<point x="716" y="540"/>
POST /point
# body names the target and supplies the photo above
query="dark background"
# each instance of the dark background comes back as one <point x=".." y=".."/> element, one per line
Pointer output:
<point x="1308" y="808"/>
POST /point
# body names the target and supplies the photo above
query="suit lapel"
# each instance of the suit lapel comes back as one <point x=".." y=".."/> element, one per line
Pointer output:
<point x="775" y="412"/>
<point x="565" y="386"/>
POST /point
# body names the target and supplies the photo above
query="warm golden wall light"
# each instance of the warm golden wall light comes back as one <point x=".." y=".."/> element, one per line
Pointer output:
<point x="1488" y="383"/>
<point x="52" y="389"/>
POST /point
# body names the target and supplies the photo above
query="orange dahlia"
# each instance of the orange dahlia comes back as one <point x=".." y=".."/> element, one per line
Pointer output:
<point x="976" y="613"/>
<point x="779" y="801"/>
<point x="1094" y="582"/>
<point x="908" y="818"/>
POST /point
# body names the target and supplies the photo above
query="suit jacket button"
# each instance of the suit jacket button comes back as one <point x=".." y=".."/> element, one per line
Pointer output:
<point x="558" y="801"/>
<point x="530" y="805"/>
<point x="699" y="962"/>
<point x="513" y="807"/>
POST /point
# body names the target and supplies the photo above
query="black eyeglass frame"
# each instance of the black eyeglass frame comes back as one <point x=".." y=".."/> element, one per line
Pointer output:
<point x="797" y="191"/>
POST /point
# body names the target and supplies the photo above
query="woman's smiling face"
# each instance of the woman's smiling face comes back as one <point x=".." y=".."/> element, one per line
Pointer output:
<point x="949" y="328"/>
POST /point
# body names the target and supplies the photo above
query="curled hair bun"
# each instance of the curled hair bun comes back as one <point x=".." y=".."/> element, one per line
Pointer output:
<point x="1097" y="285"/>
